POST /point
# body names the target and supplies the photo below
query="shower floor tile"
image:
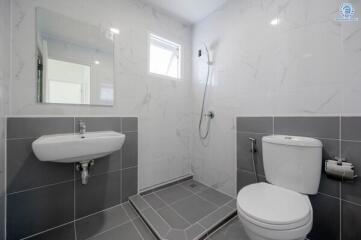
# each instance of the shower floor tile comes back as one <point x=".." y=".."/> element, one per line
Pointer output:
<point x="184" y="211"/>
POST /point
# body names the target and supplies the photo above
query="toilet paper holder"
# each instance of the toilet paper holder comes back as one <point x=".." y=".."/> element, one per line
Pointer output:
<point x="341" y="169"/>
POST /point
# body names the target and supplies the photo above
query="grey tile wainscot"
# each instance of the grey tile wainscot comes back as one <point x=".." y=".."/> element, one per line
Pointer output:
<point x="255" y="124"/>
<point x="36" y="127"/>
<point x="321" y="127"/>
<point x="37" y="210"/>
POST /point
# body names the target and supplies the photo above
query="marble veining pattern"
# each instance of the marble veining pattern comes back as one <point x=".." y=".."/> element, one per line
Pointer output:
<point x="307" y="65"/>
<point x="162" y="105"/>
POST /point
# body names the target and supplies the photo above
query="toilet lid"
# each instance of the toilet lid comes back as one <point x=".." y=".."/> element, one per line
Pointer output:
<point x="273" y="205"/>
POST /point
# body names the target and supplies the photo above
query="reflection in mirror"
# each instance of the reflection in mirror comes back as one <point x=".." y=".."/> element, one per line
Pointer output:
<point x="75" y="61"/>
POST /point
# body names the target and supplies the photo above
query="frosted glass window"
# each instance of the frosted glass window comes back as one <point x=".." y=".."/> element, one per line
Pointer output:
<point x="164" y="57"/>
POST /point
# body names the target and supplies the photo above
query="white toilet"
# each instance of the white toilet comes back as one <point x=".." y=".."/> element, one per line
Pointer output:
<point x="280" y="209"/>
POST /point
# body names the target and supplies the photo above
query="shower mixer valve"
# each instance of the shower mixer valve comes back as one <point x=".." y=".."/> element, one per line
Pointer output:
<point x="210" y="114"/>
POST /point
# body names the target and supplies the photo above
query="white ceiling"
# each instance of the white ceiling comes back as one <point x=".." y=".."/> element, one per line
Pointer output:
<point x="191" y="11"/>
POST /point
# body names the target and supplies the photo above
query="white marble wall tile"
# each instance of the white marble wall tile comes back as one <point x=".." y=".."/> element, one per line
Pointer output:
<point x="162" y="105"/>
<point x="308" y="64"/>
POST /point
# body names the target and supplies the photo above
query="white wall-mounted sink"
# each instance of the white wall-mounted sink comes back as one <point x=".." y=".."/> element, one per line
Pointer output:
<point x="69" y="148"/>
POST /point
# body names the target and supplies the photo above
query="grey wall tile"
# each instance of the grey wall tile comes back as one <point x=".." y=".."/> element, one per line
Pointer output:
<point x="244" y="178"/>
<point x="38" y="210"/>
<point x="102" y="191"/>
<point x="100" y="222"/>
<point x="129" y="182"/>
<point x="99" y="124"/>
<point x="214" y="218"/>
<point x="130" y="150"/>
<point x="255" y="124"/>
<point x="351" y="128"/>
<point x="25" y="171"/>
<point x="109" y="163"/>
<point x="129" y="124"/>
<point x="244" y="154"/>
<point x="321" y="127"/>
<point x="351" y="220"/>
<point x="330" y="186"/>
<point x="36" y="127"/>
<point x="66" y="232"/>
<point x="326" y="215"/>
<point x="351" y="190"/>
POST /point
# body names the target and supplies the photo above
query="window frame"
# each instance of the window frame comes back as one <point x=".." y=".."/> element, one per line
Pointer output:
<point x="169" y="41"/>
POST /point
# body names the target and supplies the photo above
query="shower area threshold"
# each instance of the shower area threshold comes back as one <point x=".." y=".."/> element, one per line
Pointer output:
<point x="186" y="210"/>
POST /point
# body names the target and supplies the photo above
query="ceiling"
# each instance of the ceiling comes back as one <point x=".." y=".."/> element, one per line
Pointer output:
<point x="191" y="11"/>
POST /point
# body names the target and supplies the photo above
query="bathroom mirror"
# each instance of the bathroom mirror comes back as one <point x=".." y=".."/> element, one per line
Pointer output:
<point x="75" y="61"/>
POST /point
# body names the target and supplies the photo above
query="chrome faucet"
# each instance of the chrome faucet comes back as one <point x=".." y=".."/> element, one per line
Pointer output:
<point x="82" y="128"/>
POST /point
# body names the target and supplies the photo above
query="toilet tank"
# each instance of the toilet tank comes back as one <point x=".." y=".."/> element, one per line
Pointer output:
<point x="293" y="162"/>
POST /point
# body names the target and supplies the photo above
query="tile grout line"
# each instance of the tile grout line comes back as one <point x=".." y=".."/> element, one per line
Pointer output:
<point x="174" y="210"/>
<point x="136" y="229"/>
<point x="44" y="186"/>
<point x="108" y="230"/>
<point x="47" y="230"/>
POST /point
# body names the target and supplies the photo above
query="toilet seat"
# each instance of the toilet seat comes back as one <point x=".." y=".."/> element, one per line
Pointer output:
<point x="272" y="207"/>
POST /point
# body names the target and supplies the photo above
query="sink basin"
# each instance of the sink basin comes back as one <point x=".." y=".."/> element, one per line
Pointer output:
<point x="69" y="148"/>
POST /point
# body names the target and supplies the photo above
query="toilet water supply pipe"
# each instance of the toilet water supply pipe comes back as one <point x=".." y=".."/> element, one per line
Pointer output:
<point x="253" y="152"/>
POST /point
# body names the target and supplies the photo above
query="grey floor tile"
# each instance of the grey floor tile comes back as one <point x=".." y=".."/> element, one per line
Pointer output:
<point x="194" y="186"/>
<point x="154" y="201"/>
<point x="143" y="229"/>
<point x="65" y="232"/>
<point x="216" y="217"/>
<point x="25" y="171"/>
<point x="173" y="219"/>
<point x="37" y="210"/>
<point x="194" y="231"/>
<point x="100" y="222"/>
<point x="173" y="193"/>
<point x="175" y="234"/>
<point x="231" y="231"/>
<point x="232" y="204"/>
<point x="215" y="197"/>
<point x="156" y="222"/>
<point x="101" y="192"/>
<point x="125" y="231"/>
<point x="132" y="214"/>
<point x="193" y="208"/>
<point x="139" y="202"/>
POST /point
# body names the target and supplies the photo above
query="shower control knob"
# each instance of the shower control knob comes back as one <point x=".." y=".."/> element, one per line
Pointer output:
<point x="210" y="114"/>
